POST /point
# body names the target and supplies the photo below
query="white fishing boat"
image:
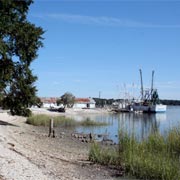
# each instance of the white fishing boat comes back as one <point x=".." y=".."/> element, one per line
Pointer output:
<point x="122" y="106"/>
<point x="158" y="108"/>
<point x="149" y="101"/>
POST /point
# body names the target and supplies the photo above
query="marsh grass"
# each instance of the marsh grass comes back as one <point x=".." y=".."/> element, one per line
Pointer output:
<point x="157" y="157"/>
<point x="104" y="156"/>
<point x="173" y="141"/>
<point x="150" y="159"/>
<point x="43" y="120"/>
<point x="38" y="120"/>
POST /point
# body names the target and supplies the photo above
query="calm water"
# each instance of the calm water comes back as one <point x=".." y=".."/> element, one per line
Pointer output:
<point x="139" y="124"/>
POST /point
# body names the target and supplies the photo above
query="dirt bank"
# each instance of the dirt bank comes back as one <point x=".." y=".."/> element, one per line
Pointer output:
<point x="26" y="152"/>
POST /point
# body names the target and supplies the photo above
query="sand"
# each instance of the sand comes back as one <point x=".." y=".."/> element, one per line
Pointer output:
<point x="26" y="152"/>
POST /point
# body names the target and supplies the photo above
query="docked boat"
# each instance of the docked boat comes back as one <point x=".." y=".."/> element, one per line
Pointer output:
<point x="157" y="108"/>
<point x="122" y="106"/>
<point x="149" y="102"/>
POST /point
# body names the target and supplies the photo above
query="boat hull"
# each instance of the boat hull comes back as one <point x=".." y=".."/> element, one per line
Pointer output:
<point x="149" y="108"/>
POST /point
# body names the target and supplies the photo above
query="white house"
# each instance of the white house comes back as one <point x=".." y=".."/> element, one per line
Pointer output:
<point x="49" y="102"/>
<point x="84" y="103"/>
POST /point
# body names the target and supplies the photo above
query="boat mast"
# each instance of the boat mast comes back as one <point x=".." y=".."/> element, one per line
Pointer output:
<point x="142" y="91"/>
<point x="152" y="84"/>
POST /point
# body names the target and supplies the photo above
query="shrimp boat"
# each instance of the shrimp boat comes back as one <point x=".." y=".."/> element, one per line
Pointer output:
<point x="158" y="108"/>
<point x="149" y="101"/>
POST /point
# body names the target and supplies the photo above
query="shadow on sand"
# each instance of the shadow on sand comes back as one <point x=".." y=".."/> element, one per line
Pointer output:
<point x="4" y="123"/>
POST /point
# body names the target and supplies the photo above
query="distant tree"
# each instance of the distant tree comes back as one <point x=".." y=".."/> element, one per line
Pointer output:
<point x="38" y="102"/>
<point x="170" y="102"/>
<point x="59" y="101"/>
<point x="1" y="99"/>
<point x="19" y="43"/>
<point x="67" y="99"/>
<point x="102" y="102"/>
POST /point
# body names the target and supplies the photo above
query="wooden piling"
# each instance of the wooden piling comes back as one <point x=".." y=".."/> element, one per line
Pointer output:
<point x="51" y="128"/>
<point x="90" y="137"/>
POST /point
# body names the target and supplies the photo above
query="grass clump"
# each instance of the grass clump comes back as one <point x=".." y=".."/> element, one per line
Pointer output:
<point x="38" y="120"/>
<point x="173" y="141"/>
<point x="43" y="120"/>
<point x="157" y="157"/>
<point x="103" y="156"/>
<point x="150" y="159"/>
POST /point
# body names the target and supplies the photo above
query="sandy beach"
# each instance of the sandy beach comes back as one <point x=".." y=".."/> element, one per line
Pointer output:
<point x="26" y="152"/>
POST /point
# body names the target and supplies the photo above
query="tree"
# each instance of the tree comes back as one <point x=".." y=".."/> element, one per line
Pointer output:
<point x="68" y="99"/>
<point x="19" y="43"/>
<point x="59" y="101"/>
<point x="38" y="103"/>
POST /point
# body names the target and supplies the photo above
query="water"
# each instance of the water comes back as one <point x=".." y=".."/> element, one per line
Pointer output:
<point x="140" y="124"/>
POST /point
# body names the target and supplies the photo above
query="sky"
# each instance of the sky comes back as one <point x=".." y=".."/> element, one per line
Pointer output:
<point x="95" y="48"/>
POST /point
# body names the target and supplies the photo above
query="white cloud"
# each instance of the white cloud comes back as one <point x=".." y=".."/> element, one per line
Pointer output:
<point x="102" y="21"/>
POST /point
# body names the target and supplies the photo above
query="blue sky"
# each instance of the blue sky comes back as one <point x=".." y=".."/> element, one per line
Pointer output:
<point x="100" y="45"/>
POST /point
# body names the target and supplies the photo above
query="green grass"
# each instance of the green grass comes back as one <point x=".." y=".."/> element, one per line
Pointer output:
<point x="155" y="158"/>
<point x="43" y="120"/>
<point x="173" y="141"/>
<point x="104" y="156"/>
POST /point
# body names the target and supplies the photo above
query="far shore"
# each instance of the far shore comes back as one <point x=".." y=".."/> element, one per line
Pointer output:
<point x="71" y="112"/>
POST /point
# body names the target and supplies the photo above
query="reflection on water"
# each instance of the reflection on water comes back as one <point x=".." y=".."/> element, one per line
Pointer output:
<point x="140" y="124"/>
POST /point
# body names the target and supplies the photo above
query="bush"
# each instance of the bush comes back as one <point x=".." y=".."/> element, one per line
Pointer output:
<point x="21" y="112"/>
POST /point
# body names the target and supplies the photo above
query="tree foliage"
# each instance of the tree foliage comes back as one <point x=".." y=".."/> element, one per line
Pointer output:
<point x="19" y="43"/>
<point x="103" y="102"/>
<point x="67" y="99"/>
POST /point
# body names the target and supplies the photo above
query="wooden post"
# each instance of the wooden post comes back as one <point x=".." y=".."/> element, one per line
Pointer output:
<point x="51" y="128"/>
<point x="53" y="133"/>
<point x="90" y="137"/>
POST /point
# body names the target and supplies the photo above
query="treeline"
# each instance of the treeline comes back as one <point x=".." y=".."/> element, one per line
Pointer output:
<point x="170" y="102"/>
<point x="107" y="102"/>
<point x="102" y="102"/>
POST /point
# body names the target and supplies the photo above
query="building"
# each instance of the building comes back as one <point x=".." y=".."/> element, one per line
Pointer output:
<point x="49" y="102"/>
<point x="84" y="103"/>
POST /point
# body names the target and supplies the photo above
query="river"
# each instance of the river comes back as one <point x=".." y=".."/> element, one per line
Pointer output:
<point x="141" y="125"/>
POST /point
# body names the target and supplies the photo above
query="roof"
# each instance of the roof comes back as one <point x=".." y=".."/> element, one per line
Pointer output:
<point x="48" y="99"/>
<point x="51" y="100"/>
<point x="84" y="100"/>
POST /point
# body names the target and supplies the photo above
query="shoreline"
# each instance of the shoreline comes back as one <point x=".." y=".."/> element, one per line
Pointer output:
<point x="28" y="153"/>
<point x="70" y="111"/>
